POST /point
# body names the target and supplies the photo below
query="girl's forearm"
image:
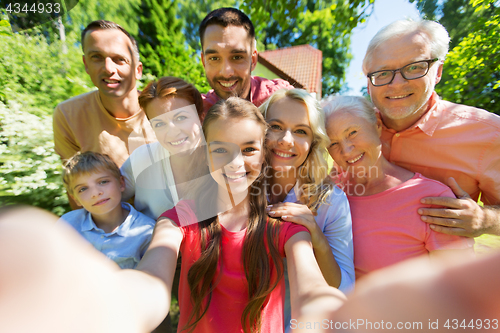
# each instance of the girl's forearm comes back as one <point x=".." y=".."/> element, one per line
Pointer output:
<point x="149" y="297"/>
<point x="160" y="260"/>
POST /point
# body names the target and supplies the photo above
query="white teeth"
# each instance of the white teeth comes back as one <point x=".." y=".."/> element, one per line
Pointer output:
<point x="227" y="84"/>
<point x="356" y="159"/>
<point x="283" y="154"/>
<point x="111" y="81"/>
<point x="235" y="176"/>
<point x="397" y="97"/>
<point x="176" y="143"/>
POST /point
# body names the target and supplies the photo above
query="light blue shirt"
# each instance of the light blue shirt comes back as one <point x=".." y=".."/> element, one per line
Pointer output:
<point x="334" y="219"/>
<point x="125" y="245"/>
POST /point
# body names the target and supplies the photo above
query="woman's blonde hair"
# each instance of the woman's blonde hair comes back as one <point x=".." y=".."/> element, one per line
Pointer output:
<point x="312" y="173"/>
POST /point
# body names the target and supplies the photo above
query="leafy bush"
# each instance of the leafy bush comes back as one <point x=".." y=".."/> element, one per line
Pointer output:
<point x="471" y="72"/>
<point x="34" y="77"/>
<point x="30" y="170"/>
<point x="39" y="75"/>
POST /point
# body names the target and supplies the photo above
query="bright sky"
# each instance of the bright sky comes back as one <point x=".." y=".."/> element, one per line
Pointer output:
<point x="385" y="12"/>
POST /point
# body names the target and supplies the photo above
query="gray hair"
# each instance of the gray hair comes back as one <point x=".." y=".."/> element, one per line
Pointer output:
<point x="357" y="105"/>
<point x="436" y="34"/>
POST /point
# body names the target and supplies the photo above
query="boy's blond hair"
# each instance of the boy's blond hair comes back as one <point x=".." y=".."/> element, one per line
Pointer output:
<point x="87" y="163"/>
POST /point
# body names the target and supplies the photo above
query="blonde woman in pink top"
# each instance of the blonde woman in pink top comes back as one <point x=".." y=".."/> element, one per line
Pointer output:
<point x="384" y="198"/>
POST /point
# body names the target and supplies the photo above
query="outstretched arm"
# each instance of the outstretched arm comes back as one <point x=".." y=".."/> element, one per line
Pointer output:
<point x="461" y="216"/>
<point x="50" y="273"/>
<point x="160" y="260"/>
<point x="307" y="285"/>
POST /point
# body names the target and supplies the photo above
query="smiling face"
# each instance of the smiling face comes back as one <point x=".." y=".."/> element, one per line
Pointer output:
<point x="98" y="192"/>
<point x="289" y="137"/>
<point x="110" y="63"/>
<point x="403" y="102"/>
<point x="354" y="142"/>
<point x="228" y="58"/>
<point x="175" y="123"/>
<point x="236" y="153"/>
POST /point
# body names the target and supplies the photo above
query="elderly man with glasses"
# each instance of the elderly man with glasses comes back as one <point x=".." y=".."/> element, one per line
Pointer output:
<point x="456" y="144"/>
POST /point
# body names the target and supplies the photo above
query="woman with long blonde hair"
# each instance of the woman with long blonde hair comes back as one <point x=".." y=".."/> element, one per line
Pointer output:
<point x="298" y="191"/>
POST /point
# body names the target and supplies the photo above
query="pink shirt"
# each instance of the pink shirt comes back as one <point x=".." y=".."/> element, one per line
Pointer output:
<point x="387" y="229"/>
<point x="260" y="89"/>
<point x="230" y="294"/>
<point x="451" y="140"/>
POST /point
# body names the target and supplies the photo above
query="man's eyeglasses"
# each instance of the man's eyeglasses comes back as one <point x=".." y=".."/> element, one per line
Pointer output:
<point x="412" y="71"/>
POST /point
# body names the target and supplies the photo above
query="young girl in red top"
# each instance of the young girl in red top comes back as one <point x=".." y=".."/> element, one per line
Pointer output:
<point x="232" y="273"/>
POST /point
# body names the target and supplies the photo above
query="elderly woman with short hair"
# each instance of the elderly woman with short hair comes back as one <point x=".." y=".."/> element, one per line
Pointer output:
<point x="384" y="198"/>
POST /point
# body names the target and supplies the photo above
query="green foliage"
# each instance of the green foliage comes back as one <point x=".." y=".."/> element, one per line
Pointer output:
<point x="428" y="9"/>
<point x="38" y="13"/>
<point x="324" y="24"/>
<point x="472" y="69"/>
<point x="121" y="12"/>
<point x="471" y="72"/>
<point x="5" y="29"/>
<point x="34" y="76"/>
<point x="163" y="47"/>
<point x="193" y="12"/>
<point x="39" y="75"/>
<point x="30" y="171"/>
<point x="457" y="16"/>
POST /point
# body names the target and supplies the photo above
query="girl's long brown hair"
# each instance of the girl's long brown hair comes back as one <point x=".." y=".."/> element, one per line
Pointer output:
<point x="260" y="247"/>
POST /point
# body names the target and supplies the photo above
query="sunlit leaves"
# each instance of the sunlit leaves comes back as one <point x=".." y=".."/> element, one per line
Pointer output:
<point x="324" y="24"/>
<point x="472" y="68"/>
<point x="163" y="46"/>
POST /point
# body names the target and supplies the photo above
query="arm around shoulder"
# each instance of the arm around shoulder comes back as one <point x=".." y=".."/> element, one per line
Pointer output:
<point x="492" y="219"/>
<point x="461" y="216"/>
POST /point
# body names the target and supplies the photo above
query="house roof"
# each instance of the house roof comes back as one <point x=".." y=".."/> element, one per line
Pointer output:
<point x="300" y="65"/>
